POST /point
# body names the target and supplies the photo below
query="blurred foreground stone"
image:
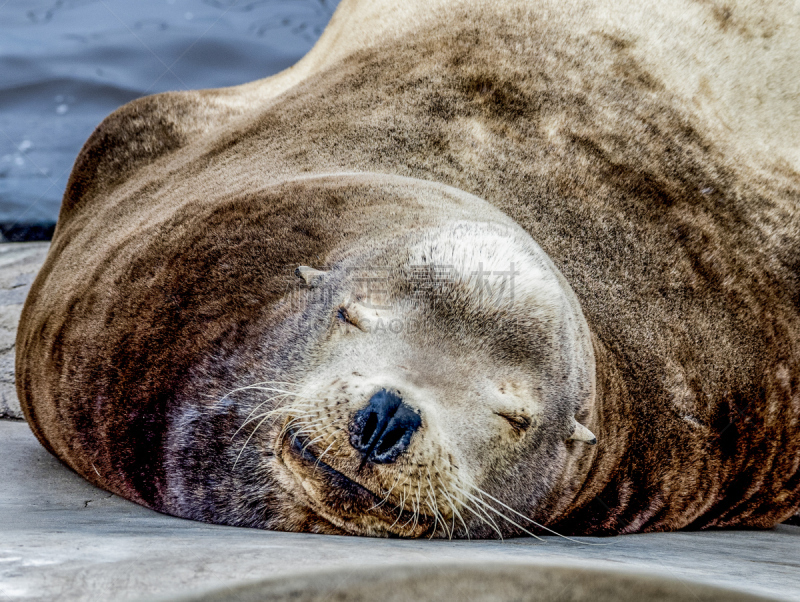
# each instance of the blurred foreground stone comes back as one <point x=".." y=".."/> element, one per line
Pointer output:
<point x="484" y="582"/>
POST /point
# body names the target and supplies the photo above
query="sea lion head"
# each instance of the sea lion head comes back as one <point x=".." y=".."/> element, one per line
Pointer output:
<point x="448" y="373"/>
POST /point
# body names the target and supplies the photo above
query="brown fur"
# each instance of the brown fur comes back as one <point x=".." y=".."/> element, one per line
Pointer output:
<point x="170" y="256"/>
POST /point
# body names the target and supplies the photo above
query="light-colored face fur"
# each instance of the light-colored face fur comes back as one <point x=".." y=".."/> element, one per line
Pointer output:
<point x="469" y="329"/>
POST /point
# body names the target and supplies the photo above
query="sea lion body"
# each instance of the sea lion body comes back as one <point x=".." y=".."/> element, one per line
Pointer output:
<point x="645" y="209"/>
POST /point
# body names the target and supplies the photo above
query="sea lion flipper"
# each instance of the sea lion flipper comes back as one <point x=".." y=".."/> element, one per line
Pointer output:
<point x="581" y="433"/>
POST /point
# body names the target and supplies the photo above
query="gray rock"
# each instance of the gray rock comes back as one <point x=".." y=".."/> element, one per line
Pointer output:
<point x="61" y="538"/>
<point x="19" y="263"/>
<point x="485" y="582"/>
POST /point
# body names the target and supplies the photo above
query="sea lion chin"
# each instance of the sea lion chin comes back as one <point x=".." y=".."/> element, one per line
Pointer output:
<point x="482" y="270"/>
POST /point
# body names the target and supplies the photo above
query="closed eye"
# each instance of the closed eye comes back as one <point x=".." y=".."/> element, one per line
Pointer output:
<point x="519" y="422"/>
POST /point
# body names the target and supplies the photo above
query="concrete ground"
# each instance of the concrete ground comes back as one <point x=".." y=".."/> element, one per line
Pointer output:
<point x="19" y="263"/>
<point x="63" y="539"/>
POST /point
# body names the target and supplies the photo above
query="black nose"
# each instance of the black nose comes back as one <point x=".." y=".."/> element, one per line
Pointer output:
<point x="382" y="431"/>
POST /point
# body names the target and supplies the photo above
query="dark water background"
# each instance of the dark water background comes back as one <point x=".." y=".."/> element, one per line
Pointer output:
<point x="66" y="64"/>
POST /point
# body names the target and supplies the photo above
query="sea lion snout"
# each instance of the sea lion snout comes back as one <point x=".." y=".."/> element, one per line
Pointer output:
<point x="383" y="429"/>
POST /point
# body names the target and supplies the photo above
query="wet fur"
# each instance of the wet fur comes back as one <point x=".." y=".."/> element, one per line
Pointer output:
<point x="169" y="265"/>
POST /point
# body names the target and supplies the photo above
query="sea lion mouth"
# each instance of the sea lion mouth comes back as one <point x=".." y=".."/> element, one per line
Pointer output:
<point x="341" y="500"/>
<point x="300" y="447"/>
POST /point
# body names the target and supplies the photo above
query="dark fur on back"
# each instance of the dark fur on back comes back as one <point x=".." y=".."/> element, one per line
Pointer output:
<point x="174" y="237"/>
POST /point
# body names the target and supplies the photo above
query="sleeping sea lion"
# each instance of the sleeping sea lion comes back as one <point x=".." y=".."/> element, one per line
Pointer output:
<point x="469" y="269"/>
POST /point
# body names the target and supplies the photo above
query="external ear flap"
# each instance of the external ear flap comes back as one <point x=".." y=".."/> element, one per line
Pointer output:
<point x="310" y="276"/>
<point x="581" y="433"/>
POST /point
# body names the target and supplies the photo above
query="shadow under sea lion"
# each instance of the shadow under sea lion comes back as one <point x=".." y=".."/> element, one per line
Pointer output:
<point x="468" y="269"/>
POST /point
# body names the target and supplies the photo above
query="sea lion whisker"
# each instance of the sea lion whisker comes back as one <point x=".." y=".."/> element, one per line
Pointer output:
<point x="302" y="431"/>
<point x="402" y="506"/>
<point x="274" y="390"/>
<point x="482" y="511"/>
<point x="452" y="512"/>
<point x="270" y="398"/>
<point x="435" y="515"/>
<point x="418" y="507"/>
<point x="276" y="412"/>
<point x="263" y="388"/>
<point x="483" y="517"/>
<point x="271" y="382"/>
<point x="432" y="493"/>
<point x="413" y="511"/>
<point x="282" y="410"/>
<point x="314" y="440"/>
<point x="386" y="498"/>
<point x="319" y="458"/>
<point x="286" y="427"/>
<point x="481" y="492"/>
<point x="483" y="506"/>
<point x="257" y="386"/>
<point x="432" y="508"/>
<point x="455" y="510"/>
<point x="500" y="514"/>
<point x="300" y="416"/>
<point x="248" y="441"/>
<point x="446" y="527"/>
<point x="275" y="397"/>
<point x="411" y="518"/>
<point x="250" y="418"/>
<point x="317" y="420"/>
<point x="307" y="428"/>
<point x="287" y="409"/>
